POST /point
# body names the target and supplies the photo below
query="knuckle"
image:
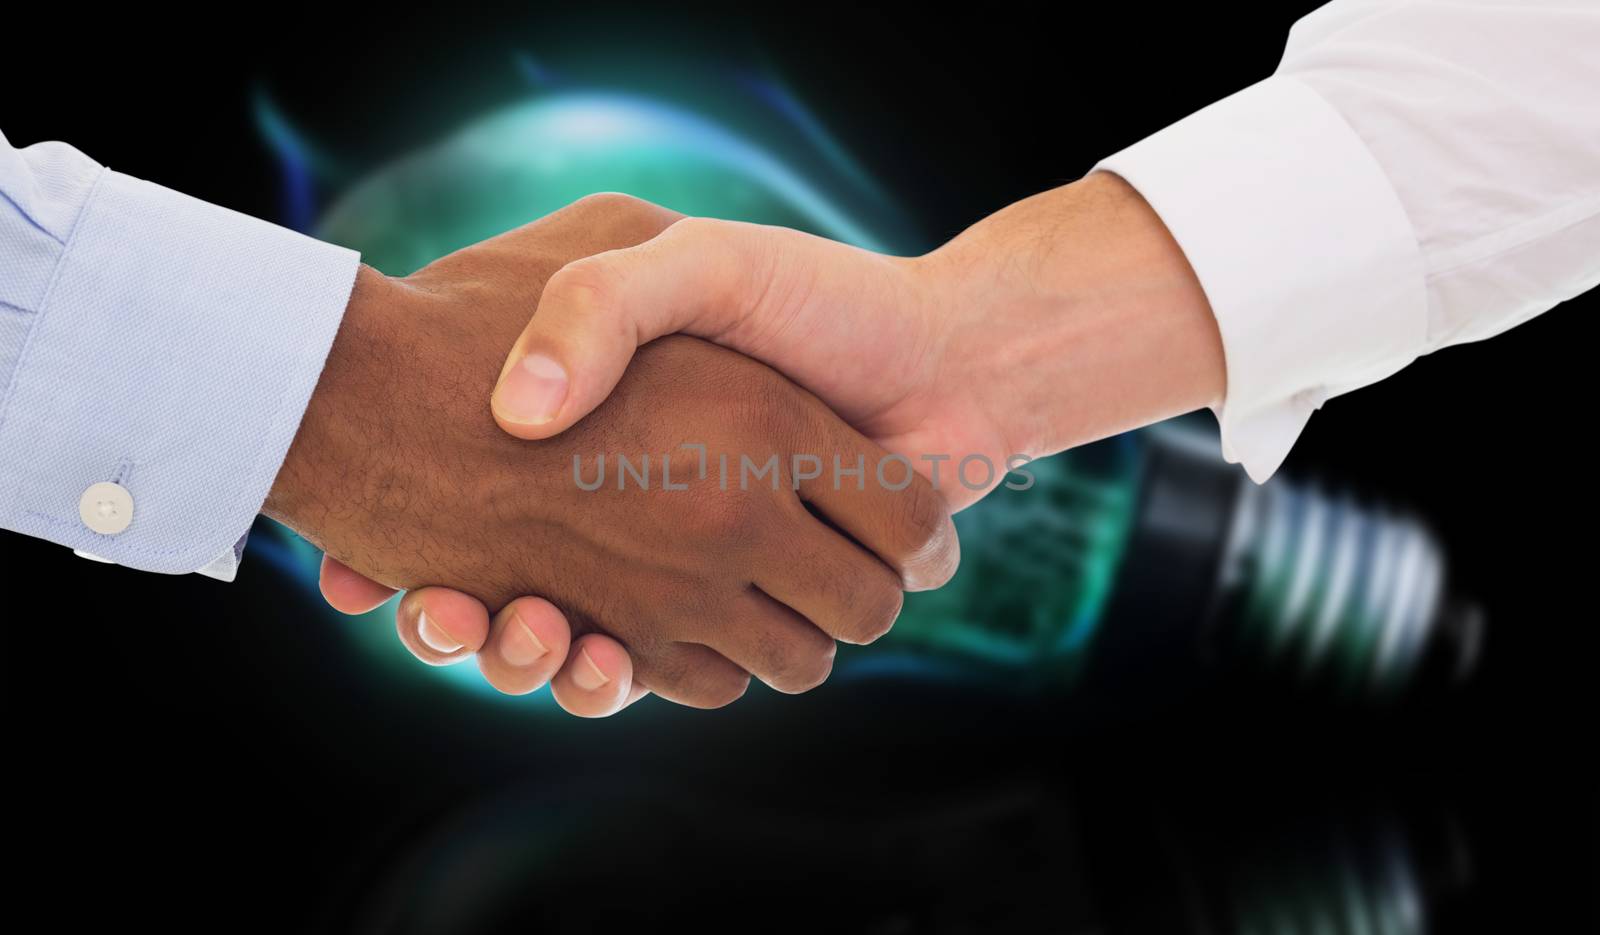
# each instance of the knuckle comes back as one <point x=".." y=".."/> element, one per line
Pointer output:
<point x="727" y="518"/>
<point x="923" y="515"/>
<point x="589" y="283"/>
<point x="877" y="609"/>
<point x="660" y="668"/>
<point x="695" y="230"/>
<point x="609" y="203"/>
<point x="718" y="250"/>
<point x="622" y="218"/>
<point x="799" y="664"/>
<point x="928" y="549"/>
<point x="694" y="675"/>
<point x="722" y="693"/>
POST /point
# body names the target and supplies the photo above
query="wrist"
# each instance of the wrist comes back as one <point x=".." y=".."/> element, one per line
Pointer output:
<point x="1075" y="316"/>
<point x="319" y="457"/>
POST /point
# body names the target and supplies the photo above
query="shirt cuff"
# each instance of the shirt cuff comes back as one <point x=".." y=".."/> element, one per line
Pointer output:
<point x="1302" y="247"/>
<point x="173" y="354"/>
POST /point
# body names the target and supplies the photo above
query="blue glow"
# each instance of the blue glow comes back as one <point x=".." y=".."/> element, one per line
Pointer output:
<point x="297" y="200"/>
<point x="536" y="72"/>
<point x="782" y="100"/>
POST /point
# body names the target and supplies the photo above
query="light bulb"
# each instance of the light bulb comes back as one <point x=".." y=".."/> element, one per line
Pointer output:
<point x="1150" y="540"/>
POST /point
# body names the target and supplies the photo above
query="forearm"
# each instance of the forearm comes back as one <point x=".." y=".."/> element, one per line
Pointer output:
<point x="1073" y="315"/>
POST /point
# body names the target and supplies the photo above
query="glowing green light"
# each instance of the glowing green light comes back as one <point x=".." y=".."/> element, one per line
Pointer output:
<point x="530" y="159"/>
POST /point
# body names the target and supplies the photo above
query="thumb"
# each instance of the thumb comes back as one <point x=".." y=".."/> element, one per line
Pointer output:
<point x="697" y="276"/>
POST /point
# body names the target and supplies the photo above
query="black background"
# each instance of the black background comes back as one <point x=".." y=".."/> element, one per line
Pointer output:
<point x="203" y="754"/>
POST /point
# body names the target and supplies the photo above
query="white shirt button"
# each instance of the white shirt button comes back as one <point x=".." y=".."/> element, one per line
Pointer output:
<point x="106" y="508"/>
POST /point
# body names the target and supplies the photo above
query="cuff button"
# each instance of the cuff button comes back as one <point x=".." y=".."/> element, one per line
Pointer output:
<point x="106" y="508"/>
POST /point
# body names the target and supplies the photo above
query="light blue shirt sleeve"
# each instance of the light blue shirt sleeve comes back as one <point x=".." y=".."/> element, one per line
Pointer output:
<point x="156" y="342"/>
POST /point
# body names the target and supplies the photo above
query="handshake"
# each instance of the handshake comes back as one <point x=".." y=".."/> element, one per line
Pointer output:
<point x="718" y="449"/>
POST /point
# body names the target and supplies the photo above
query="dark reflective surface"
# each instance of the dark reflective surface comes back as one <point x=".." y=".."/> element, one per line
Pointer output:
<point x="258" y="772"/>
<point x="1024" y="853"/>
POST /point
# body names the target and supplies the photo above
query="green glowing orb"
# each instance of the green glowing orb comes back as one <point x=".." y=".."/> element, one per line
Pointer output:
<point x="526" y="161"/>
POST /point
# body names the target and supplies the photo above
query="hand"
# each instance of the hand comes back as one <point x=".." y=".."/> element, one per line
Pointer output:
<point x="593" y="675"/>
<point x="1066" y="317"/>
<point x="400" y="476"/>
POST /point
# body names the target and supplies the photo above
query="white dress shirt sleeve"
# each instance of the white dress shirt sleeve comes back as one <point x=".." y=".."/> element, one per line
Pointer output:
<point x="1415" y="175"/>
<point x="156" y="355"/>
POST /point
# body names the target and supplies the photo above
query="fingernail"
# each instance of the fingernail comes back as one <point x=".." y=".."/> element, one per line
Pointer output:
<point x="532" y="391"/>
<point x="519" y="646"/>
<point x="586" y="675"/>
<point x="433" y="636"/>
